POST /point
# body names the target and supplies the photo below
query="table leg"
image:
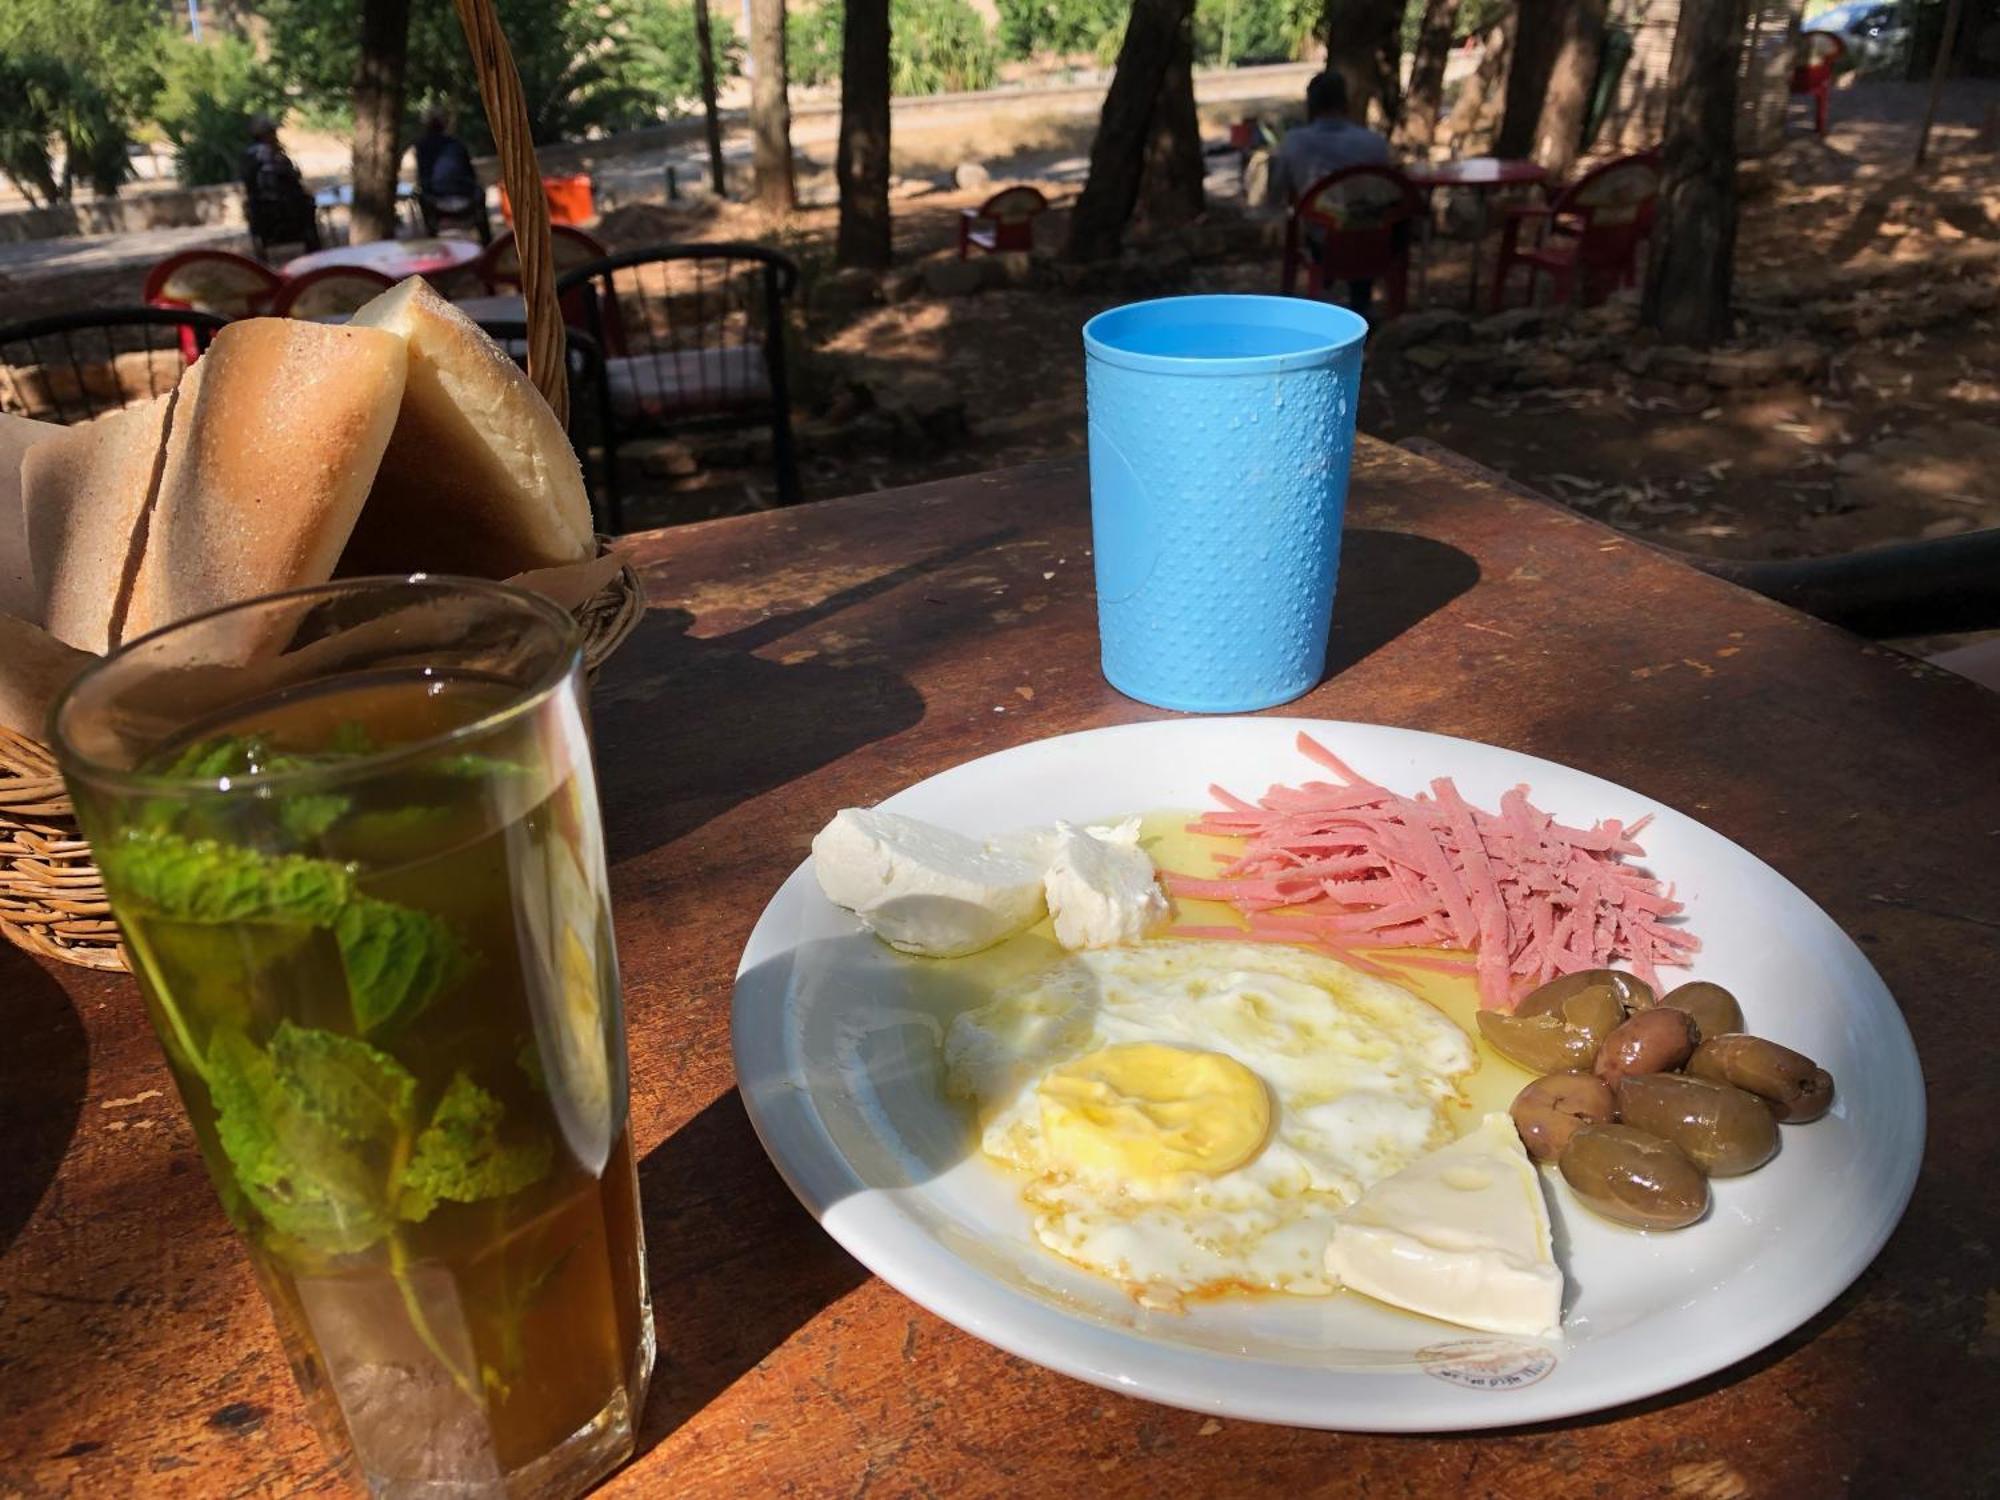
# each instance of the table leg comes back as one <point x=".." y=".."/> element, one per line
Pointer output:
<point x="1478" y="238"/>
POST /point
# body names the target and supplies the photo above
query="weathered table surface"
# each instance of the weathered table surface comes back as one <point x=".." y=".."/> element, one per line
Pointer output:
<point x="800" y="661"/>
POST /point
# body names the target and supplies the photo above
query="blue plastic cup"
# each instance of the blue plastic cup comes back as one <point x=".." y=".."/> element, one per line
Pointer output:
<point x="1221" y="429"/>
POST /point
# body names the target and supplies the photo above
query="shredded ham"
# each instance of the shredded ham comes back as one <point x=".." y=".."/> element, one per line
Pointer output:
<point x="1348" y="865"/>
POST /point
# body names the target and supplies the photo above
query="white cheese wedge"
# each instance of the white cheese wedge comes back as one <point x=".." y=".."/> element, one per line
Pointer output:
<point x="923" y="889"/>
<point x="1461" y="1234"/>
<point x="1101" y="886"/>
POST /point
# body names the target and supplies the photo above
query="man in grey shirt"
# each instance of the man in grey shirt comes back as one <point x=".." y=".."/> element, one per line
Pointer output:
<point x="1327" y="142"/>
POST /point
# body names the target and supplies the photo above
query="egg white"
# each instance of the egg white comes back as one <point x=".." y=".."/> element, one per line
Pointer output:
<point x="1360" y="1072"/>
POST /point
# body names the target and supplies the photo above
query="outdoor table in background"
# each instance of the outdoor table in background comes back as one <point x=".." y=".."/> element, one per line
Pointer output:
<point x="799" y="661"/>
<point x="395" y="259"/>
<point x="1482" y="176"/>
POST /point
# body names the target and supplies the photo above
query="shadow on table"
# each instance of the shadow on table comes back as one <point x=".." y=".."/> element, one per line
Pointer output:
<point x="722" y="725"/>
<point x="737" y="1266"/>
<point x="1389" y="581"/>
<point x="42" y="1082"/>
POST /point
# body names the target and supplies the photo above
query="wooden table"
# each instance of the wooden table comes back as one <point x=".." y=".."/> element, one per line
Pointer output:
<point x="800" y="661"/>
<point x="1482" y="176"/>
<point x="395" y="259"/>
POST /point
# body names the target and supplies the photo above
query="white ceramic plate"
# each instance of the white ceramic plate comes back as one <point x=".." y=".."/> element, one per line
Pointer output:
<point x="837" y="1053"/>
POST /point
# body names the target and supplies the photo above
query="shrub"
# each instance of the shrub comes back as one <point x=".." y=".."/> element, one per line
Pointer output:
<point x="211" y="90"/>
<point x="1031" y="28"/>
<point x="1232" y="32"/>
<point x="664" y="67"/>
<point x="935" y="46"/>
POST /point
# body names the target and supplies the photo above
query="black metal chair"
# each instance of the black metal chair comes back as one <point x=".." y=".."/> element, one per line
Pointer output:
<point x="693" y="336"/>
<point x="585" y="363"/>
<point x="71" y="367"/>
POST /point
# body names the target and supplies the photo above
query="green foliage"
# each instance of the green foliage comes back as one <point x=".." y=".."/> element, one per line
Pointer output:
<point x="1234" y="32"/>
<point x="76" y="76"/>
<point x="576" y="62"/>
<point x="665" y="68"/>
<point x="1032" y="28"/>
<point x="209" y="93"/>
<point x="935" y="46"/>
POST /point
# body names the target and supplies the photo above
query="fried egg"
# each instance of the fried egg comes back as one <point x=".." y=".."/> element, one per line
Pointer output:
<point x="1189" y="1117"/>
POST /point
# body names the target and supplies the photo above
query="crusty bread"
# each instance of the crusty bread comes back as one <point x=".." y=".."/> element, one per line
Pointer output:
<point x="277" y="436"/>
<point x="85" y="496"/>
<point x="17" y="573"/>
<point x="480" y="477"/>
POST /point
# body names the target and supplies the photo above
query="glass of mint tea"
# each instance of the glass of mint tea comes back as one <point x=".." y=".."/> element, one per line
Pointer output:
<point x="351" y="837"/>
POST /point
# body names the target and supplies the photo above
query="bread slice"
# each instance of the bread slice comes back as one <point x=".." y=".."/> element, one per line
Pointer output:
<point x="480" y="477"/>
<point x="85" y="495"/>
<point x="276" y="439"/>
<point x="17" y="573"/>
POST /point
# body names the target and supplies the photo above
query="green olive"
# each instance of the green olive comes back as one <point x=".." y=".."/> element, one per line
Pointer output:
<point x="1650" y="1041"/>
<point x="1552" y="1108"/>
<point x="1714" y="1009"/>
<point x="1634" y="1178"/>
<point x="1724" y="1130"/>
<point x="1562" y="1040"/>
<point x="1796" y="1088"/>
<point x="1630" y="991"/>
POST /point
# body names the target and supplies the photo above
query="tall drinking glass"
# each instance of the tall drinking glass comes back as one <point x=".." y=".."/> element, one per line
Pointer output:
<point x="351" y="837"/>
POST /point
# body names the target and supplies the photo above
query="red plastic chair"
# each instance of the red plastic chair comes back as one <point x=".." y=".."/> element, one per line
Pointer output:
<point x="211" y="281"/>
<point x="1590" y="233"/>
<point x="332" y="293"/>
<point x="1821" y="52"/>
<point x="500" y="268"/>
<point x="1356" y="213"/>
<point x="1011" y="213"/>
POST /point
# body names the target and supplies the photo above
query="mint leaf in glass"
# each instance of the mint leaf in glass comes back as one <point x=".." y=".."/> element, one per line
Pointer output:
<point x="308" y="1134"/>
<point x="199" y="880"/>
<point x="460" y="1157"/>
<point x="396" y="959"/>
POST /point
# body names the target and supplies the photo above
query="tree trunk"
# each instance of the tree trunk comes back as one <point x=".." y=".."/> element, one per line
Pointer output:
<point x="770" y="111"/>
<point x="1694" y="239"/>
<point x="862" y="166"/>
<point x="1475" y="115"/>
<point x="1420" y="106"/>
<point x="1559" y="136"/>
<point x="378" y="118"/>
<point x="711" y="119"/>
<point x="1537" y="34"/>
<point x="1125" y="127"/>
<point x="1364" y="45"/>
<point x="1170" y="184"/>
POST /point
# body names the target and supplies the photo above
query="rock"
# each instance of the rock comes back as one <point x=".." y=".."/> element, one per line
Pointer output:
<point x="1427" y="356"/>
<point x="1736" y="369"/>
<point x="1537" y="367"/>
<point x="901" y="188"/>
<point x="953" y="278"/>
<point x="1514" y="323"/>
<point x="1011" y="268"/>
<point x="1427" y="325"/>
<point x="846" y="291"/>
<point x="666" y="458"/>
<point x="971" y="174"/>
<point x="901" y="286"/>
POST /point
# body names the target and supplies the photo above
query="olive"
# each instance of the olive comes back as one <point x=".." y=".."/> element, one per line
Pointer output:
<point x="1549" y="1111"/>
<point x="1714" y="1009"/>
<point x="1795" y="1087"/>
<point x="1634" y="1178"/>
<point x="1630" y="991"/>
<point x="1559" y="1040"/>
<point x="1650" y="1041"/>
<point x="1724" y="1130"/>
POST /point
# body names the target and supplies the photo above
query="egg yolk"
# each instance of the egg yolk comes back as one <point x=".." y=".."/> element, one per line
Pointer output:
<point x="1144" y="1109"/>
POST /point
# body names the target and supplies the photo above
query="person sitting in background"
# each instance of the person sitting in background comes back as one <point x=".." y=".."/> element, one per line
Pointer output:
<point x="447" y="185"/>
<point x="275" y="201"/>
<point x="1329" y="141"/>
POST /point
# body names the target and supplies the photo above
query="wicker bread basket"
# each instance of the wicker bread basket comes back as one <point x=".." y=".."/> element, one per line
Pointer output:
<point x="51" y="900"/>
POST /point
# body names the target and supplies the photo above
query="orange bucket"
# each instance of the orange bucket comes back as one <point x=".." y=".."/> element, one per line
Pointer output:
<point x="568" y="198"/>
